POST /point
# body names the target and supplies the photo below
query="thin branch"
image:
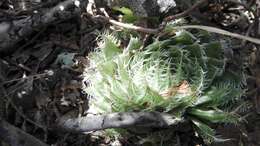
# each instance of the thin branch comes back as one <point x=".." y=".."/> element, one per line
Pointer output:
<point x="196" y="5"/>
<point x="127" y="25"/>
<point x="133" y="27"/>
<point x="36" y="76"/>
<point x="186" y="12"/>
<point x="220" y="31"/>
<point x="117" y="120"/>
<point x="202" y="27"/>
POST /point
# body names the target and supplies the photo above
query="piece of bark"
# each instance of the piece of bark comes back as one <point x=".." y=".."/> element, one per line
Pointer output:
<point x="117" y="120"/>
<point x="13" y="31"/>
<point x="16" y="137"/>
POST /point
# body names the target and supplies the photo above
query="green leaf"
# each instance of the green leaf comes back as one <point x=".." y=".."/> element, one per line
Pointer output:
<point x="213" y="116"/>
<point x="133" y="44"/>
<point x="128" y="16"/>
<point x="183" y="37"/>
<point x="207" y="133"/>
<point x="109" y="46"/>
<point x="107" y="68"/>
<point x="213" y="50"/>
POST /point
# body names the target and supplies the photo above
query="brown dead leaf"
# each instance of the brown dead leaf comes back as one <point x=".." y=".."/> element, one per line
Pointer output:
<point x="182" y="88"/>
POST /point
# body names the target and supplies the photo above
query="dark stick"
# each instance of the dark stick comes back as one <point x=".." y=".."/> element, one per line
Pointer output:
<point x="16" y="137"/>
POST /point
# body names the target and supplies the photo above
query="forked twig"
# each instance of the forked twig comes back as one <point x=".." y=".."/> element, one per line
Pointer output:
<point x="202" y="27"/>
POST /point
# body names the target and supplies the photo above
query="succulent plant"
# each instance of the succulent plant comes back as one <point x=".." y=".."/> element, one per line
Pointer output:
<point x="184" y="75"/>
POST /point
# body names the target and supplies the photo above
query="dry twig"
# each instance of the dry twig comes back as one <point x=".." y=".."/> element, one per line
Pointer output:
<point x="202" y="27"/>
<point x="220" y="31"/>
<point x="186" y="12"/>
